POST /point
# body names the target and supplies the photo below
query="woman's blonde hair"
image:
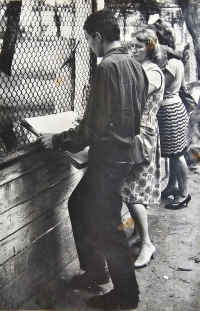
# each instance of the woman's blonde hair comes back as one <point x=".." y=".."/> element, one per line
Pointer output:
<point x="149" y="37"/>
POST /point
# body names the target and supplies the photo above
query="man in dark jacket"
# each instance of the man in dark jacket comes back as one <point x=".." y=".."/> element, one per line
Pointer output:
<point x="110" y="121"/>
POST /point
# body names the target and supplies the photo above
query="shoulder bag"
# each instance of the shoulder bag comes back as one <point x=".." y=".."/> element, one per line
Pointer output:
<point x="143" y="146"/>
<point x="187" y="99"/>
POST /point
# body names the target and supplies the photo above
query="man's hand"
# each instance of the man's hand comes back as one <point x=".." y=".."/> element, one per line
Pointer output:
<point x="46" y="140"/>
<point x="77" y="120"/>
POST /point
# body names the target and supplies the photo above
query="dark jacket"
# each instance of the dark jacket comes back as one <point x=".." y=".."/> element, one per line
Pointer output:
<point x="113" y="111"/>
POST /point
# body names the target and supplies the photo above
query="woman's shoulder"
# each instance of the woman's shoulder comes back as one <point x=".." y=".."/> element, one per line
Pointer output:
<point x="175" y="67"/>
<point x="154" y="75"/>
<point x="151" y="67"/>
<point x="175" y="63"/>
<point x="154" y="72"/>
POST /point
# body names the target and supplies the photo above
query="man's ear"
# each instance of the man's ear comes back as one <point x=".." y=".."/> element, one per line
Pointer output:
<point x="99" y="37"/>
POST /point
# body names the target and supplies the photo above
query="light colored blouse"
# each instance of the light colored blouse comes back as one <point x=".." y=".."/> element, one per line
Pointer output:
<point x="171" y="94"/>
<point x="153" y="74"/>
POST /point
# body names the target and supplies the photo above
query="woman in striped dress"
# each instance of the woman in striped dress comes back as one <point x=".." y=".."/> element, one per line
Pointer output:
<point x="173" y="121"/>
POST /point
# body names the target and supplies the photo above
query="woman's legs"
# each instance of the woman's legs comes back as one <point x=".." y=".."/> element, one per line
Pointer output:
<point x="181" y="170"/>
<point x="178" y="173"/>
<point x="139" y="214"/>
<point x="183" y="197"/>
<point x="172" y="181"/>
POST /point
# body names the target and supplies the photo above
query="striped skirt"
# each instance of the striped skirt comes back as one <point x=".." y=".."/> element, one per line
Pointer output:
<point x="173" y="122"/>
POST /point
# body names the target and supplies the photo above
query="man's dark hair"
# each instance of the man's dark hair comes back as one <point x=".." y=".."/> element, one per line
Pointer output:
<point x="105" y="23"/>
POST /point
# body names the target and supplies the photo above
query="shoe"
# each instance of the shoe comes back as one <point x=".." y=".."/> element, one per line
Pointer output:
<point x="166" y="193"/>
<point x="87" y="278"/>
<point x="138" y="264"/>
<point x="178" y="205"/>
<point x="112" y="301"/>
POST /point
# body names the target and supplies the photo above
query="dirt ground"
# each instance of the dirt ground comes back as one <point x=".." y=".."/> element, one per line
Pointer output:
<point x="171" y="282"/>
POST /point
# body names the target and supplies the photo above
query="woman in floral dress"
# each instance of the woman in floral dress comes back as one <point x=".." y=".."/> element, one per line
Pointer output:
<point x="143" y="185"/>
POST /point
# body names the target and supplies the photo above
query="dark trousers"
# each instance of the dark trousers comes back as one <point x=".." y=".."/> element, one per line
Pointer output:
<point x="95" y="211"/>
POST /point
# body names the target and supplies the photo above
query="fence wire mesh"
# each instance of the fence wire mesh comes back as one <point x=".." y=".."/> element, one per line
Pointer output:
<point x="45" y="64"/>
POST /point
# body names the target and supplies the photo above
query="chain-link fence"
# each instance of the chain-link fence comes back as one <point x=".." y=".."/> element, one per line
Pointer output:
<point x="45" y="64"/>
<point x="130" y="17"/>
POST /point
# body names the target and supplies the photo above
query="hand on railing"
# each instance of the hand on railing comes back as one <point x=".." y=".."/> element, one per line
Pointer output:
<point x="46" y="140"/>
<point x="77" y="120"/>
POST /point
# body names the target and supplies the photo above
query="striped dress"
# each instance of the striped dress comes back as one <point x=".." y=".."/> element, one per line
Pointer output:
<point x="172" y="115"/>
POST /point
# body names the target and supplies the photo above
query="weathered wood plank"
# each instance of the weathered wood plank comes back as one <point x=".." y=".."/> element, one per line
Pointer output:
<point x="33" y="290"/>
<point x="29" y="185"/>
<point x="25" y="187"/>
<point x="21" y="239"/>
<point x="28" y="164"/>
<point x="38" y="247"/>
<point x="24" y="213"/>
<point x="42" y="267"/>
<point x="11" y="158"/>
<point x="16" y="265"/>
<point x="25" y="237"/>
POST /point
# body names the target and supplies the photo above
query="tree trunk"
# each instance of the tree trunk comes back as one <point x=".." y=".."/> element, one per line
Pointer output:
<point x="10" y="37"/>
<point x="191" y="13"/>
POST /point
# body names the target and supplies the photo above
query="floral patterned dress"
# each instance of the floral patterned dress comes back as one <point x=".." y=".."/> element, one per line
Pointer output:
<point x="143" y="184"/>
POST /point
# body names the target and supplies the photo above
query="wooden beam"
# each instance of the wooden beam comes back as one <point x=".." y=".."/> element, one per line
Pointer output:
<point x="37" y="275"/>
<point x="24" y="213"/>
